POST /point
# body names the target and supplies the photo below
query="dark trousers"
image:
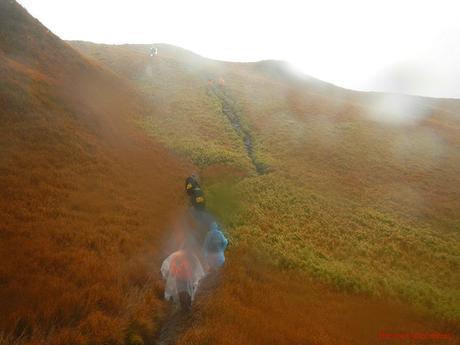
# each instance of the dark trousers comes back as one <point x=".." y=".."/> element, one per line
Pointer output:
<point x="184" y="298"/>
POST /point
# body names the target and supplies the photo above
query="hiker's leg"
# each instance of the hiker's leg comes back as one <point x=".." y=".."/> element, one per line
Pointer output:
<point x="182" y="294"/>
<point x="185" y="300"/>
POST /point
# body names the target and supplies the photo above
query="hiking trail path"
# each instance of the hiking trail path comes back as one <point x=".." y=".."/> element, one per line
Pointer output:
<point x="177" y="321"/>
<point x="229" y="109"/>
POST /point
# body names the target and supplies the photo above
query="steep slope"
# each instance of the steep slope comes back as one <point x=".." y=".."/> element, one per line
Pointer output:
<point x="185" y="117"/>
<point x="85" y="197"/>
<point x="362" y="190"/>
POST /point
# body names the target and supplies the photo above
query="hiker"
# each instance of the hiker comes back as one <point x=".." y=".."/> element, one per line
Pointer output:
<point x="182" y="272"/>
<point x="193" y="189"/>
<point x="197" y="199"/>
<point x="153" y="51"/>
<point x="191" y="182"/>
<point x="221" y="82"/>
<point x="214" y="246"/>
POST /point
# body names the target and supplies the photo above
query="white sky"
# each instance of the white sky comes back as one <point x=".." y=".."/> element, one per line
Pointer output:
<point x="389" y="45"/>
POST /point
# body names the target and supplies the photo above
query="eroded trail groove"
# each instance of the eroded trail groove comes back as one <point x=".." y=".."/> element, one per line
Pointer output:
<point x="174" y="324"/>
<point x="234" y="116"/>
<point x="178" y="321"/>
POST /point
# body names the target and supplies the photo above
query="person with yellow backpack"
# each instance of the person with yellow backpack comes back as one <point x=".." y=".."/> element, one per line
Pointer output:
<point x="197" y="199"/>
<point x="191" y="183"/>
<point x="194" y="191"/>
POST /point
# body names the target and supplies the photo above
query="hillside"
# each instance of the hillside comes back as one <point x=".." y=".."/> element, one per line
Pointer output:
<point x="85" y="197"/>
<point x="358" y="190"/>
<point x="342" y="208"/>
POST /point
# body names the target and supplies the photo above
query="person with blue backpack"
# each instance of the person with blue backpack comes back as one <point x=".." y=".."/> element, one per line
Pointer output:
<point x="214" y="247"/>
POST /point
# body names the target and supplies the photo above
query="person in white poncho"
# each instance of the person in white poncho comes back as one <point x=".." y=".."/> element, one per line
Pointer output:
<point x="182" y="272"/>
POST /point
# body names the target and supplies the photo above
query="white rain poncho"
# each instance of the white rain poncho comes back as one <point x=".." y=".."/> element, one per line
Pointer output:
<point x="214" y="246"/>
<point x="182" y="271"/>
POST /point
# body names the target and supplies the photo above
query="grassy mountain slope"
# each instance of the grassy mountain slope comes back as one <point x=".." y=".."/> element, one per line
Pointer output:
<point x="357" y="191"/>
<point x="84" y="195"/>
<point x="176" y="83"/>
<point x="362" y="191"/>
<point x="361" y="203"/>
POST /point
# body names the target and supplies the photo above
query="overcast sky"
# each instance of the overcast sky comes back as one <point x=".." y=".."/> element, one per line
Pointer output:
<point x="398" y="46"/>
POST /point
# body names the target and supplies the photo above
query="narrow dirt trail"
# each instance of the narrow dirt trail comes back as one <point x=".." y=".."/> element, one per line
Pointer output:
<point x="234" y="117"/>
<point x="174" y="324"/>
<point x="177" y="321"/>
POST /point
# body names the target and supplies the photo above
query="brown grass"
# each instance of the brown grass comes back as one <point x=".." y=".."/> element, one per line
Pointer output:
<point x="85" y="197"/>
<point x="253" y="303"/>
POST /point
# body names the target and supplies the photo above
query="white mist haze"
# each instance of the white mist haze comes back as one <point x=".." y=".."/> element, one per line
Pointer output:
<point x="396" y="46"/>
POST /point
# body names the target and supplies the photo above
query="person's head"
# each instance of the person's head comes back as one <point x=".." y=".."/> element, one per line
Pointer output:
<point x="184" y="252"/>
<point x="196" y="176"/>
<point x="215" y="226"/>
